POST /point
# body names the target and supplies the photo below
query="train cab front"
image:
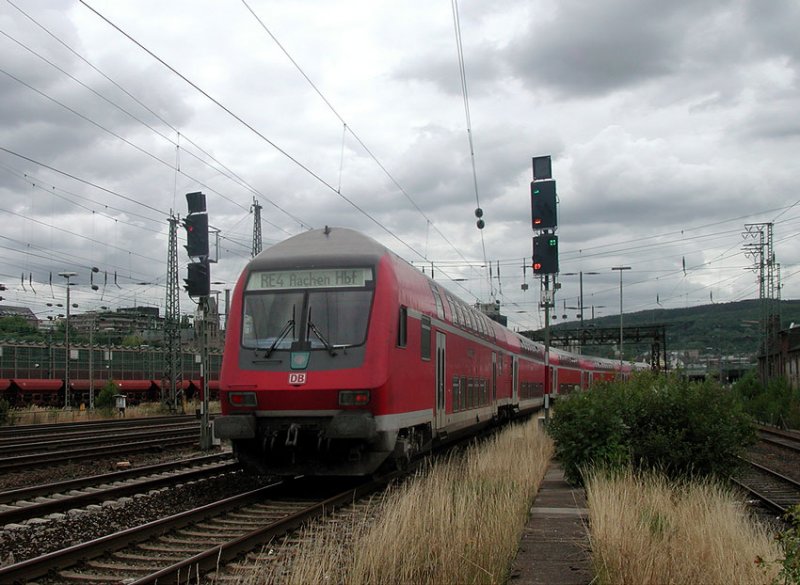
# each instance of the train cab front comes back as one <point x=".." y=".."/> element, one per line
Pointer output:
<point x="300" y="382"/>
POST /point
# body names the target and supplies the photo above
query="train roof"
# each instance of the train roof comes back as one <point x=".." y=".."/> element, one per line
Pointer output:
<point x="322" y="247"/>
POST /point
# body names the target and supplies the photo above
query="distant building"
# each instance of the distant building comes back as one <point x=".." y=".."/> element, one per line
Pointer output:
<point x="142" y="321"/>
<point x="24" y="312"/>
<point x="785" y="361"/>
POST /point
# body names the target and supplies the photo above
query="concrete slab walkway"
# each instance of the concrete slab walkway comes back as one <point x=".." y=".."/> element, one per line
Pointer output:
<point x="554" y="549"/>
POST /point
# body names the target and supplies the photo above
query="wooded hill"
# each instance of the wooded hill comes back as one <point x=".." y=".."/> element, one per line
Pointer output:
<point x="717" y="329"/>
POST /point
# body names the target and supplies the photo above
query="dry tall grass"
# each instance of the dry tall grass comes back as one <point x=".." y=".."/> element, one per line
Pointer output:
<point x="458" y="522"/>
<point x="645" y="530"/>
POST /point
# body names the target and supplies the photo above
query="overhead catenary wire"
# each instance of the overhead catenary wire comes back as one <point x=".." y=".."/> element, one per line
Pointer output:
<point x="465" y="95"/>
<point x="74" y="177"/>
<point x="236" y="117"/>
<point x="643" y="252"/>
<point x="119" y="137"/>
<point x="347" y="128"/>
<point x="227" y="171"/>
<point x="250" y="127"/>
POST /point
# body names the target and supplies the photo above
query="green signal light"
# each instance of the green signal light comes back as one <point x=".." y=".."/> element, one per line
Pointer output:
<point x="552" y="241"/>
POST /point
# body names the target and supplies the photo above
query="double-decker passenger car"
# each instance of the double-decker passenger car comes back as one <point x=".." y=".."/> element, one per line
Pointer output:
<point x="340" y="357"/>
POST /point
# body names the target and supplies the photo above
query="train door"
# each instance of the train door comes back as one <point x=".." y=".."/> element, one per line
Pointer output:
<point x="494" y="376"/>
<point x="514" y="380"/>
<point x="440" y="379"/>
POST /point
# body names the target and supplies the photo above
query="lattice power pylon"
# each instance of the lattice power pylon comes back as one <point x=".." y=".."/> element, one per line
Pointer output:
<point x="762" y="251"/>
<point x="256" y="207"/>
<point x="172" y="316"/>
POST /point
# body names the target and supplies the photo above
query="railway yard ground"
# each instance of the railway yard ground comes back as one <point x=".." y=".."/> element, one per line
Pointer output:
<point x="238" y="511"/>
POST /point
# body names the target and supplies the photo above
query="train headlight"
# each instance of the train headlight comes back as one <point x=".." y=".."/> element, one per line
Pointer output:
<point x="353" y="397"/>
<point x="243" y="399"/>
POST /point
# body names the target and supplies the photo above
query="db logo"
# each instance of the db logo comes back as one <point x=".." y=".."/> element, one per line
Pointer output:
<point x="297" y="379"/>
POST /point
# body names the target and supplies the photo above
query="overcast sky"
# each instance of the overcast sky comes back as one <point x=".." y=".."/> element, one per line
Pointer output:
<point x="671" y="125"/>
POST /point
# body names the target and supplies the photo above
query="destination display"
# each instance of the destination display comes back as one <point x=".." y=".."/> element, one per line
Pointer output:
<point x="303" y="279"/>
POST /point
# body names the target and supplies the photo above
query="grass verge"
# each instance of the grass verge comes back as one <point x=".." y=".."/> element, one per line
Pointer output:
<point x="48" y="415"/>
<point x="648" y="530"/>
<point x="458" y="521"/>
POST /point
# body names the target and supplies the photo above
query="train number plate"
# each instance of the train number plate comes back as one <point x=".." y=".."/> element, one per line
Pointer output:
<point x="297" y="378"/>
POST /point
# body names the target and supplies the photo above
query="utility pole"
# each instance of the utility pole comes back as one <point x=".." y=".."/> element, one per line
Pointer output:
<point x="547" y="302"/>
<point x="198" y="284"/>
<point x="256" y="207"/>
<point x="621" y="330"/>
<point x="67" y="275"/>
<point x="763" y="253"/>
<point x="172" y="315"/>
<point x="205" y="423"/>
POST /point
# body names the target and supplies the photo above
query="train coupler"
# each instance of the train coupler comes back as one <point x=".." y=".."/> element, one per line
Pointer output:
<point x="292" y="435"/>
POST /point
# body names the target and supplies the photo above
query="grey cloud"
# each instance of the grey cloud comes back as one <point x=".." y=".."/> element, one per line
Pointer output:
<point x="603" y="47"/>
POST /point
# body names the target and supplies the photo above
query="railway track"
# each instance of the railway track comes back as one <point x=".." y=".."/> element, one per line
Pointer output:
<point x="771" y="472"/>
<point x="773" y="436"/>
<point x="94" y="425"/>
<point x="45" y="447"/>
<point x="23" y="504"/>
<point x="776" y="491"/>
<point x="192" y="542"/>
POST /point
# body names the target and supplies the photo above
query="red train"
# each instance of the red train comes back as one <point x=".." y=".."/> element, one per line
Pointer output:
<point x="341" y="357"/>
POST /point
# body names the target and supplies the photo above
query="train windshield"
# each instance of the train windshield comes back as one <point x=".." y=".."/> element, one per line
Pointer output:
<point x="322" y="308"/>
<point x="270" y="320"/>
<point x="340" y="317"/>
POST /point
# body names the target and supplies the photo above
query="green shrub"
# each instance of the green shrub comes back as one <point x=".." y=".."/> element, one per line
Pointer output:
<point x="105" y="398"/>
<point x="789" y="543"/>
<point x="588" y="428"/>
<point x="3" y="411"/>
<point x="667" y="423"/>
<point x="777" y="404"/>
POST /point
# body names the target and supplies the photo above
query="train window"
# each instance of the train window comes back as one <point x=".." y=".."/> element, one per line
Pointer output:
<point x="452" y="305"/>
<point x="463" y="392"/>
<point x="456" y="393"/>
<point x="402" y="328"/>
<point x="268" y="317"/>
<point x="470" y="393"/>
<point x="425" y="341"/>
<point x="459" y="314"/>
<point x="341" y="316"/>
<point x="437" y="298"/>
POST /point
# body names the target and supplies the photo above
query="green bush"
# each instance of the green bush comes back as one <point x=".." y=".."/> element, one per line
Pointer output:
<point x="3" y="411"/>
<point x="777" y="404"/>
<point x="588" y="427"/>
<point x="678" y="427"/>
<point x="105" y="398"/>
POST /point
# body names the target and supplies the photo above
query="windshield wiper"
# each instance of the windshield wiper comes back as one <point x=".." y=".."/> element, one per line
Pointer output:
<point x="284" y="332"/>
<point x="319" y="335"/>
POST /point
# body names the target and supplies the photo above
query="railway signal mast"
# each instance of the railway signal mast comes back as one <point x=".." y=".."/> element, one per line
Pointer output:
<point x="544" y="221"/>
<point x="198" y="284"/>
